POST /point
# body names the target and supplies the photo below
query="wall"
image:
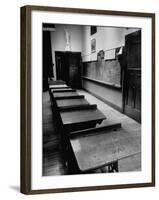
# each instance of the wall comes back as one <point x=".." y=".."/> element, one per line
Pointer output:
<point x="106" y="38"/>
<point x="58" y="39"/>
<point x="111" y="96"/>
<point x="107" y="71"/>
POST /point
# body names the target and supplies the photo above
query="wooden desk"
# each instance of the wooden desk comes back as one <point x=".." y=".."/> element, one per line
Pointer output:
<point x="96" y="148"/>
<point x="54" y="99"/>
<point x="81" y="117"/>
<point x="63" y="103"/>
<point x="58" y="88"/>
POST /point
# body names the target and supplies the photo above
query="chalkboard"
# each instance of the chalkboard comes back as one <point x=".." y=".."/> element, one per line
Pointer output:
<point x="107" y="71"/>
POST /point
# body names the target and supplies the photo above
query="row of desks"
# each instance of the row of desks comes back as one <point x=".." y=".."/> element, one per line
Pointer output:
<point x="86" y="147"/>
<point x="75" y="111"/>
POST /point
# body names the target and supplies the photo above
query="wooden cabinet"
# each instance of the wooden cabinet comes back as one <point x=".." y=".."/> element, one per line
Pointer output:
<point x="68" y="68"/>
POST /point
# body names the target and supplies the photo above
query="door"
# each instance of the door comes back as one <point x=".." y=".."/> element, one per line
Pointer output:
<point x="132" y="77"/>
<point x="75" y="70"/>
<point x="62" y="71"/>
<point x="68" y="68"/>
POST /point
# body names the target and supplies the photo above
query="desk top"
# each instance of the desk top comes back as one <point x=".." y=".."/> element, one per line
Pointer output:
<point x="61" y="89"/>
<point x="57" y="82"/>
<point x="65" y="94"/>
<point x="71" y="102"/>
<point x="70" y="117"/>
<point x="58" y="86"/>
<point x="96" y="150"/>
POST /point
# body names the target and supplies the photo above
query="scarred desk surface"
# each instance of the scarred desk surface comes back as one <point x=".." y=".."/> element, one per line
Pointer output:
<point x="71" y="102"/>
<point x="95" y="150"/>
<point x="81" y="116"/>
<point x="58" y="86"/>
<point x="64" y="94"/>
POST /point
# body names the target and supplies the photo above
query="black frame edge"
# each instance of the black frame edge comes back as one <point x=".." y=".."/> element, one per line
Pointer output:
<point x="25" y="106"/>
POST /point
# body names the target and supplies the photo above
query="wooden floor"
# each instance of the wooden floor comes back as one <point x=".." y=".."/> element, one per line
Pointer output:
<point x="52" y="156"/>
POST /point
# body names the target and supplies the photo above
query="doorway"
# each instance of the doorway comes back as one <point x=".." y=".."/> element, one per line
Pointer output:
<point x="47" y="59"/>
<point x="68" y="68"/>
<point x="132" y="77"/>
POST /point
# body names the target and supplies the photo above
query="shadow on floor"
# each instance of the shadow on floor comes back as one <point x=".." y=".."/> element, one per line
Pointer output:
<point x="15" y="188"/>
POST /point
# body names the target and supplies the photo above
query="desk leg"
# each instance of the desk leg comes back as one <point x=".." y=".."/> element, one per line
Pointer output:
<point x="71" y="161"/>
<point x="113" y="167"/>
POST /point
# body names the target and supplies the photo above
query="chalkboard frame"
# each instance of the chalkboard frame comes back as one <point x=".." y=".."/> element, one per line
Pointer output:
<point x="118" y="87"/>
<point x="115" y="58"/>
